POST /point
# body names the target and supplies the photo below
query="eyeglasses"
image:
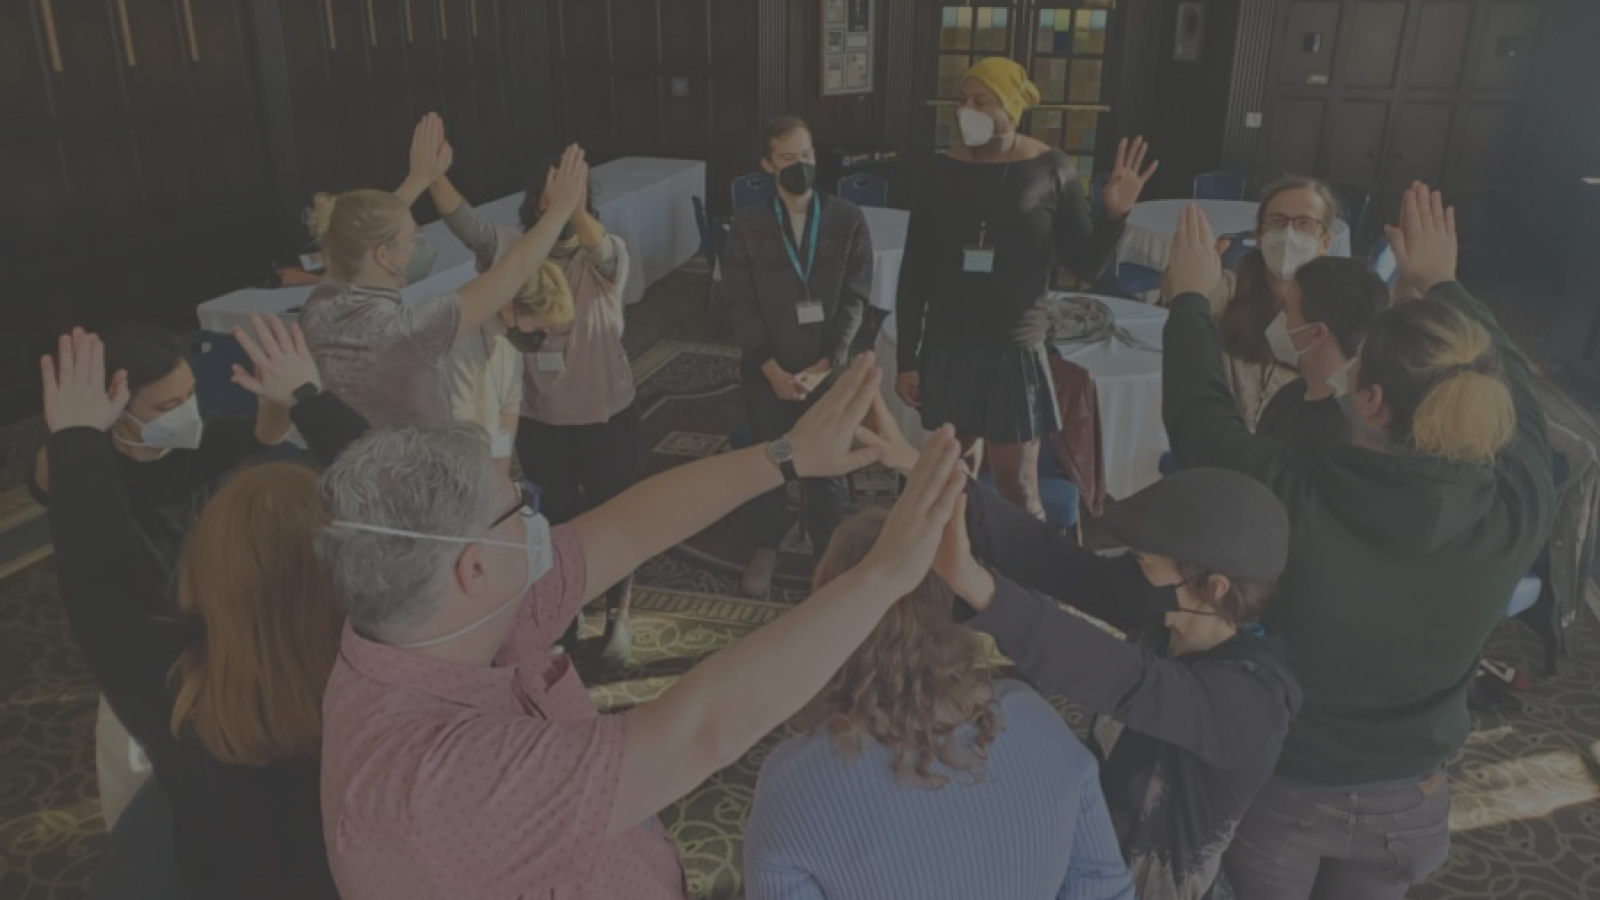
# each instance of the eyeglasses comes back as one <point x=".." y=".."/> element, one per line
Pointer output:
<point x="527" y="503"/>
<point x="1304" y="224"/>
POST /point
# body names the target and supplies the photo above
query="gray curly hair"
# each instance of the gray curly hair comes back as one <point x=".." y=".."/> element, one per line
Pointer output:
<point x="428" y="479"/>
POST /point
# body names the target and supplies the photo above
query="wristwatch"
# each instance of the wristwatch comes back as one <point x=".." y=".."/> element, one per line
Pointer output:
<point x="781" y="453"/>
<point x="306" y="391"/>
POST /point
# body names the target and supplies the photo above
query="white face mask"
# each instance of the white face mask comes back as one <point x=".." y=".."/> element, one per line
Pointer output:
<point x="535" y="547"/>
<point x="977" y="128"/>
<point x="1340" y="380"/>
<point x="179" y="428"/>
<point x="1283" y="348"/>
<point x="1287" y="250"/>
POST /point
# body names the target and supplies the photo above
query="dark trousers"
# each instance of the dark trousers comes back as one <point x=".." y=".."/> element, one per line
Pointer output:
<point x="1370" y="842"/>
<point x="579" y="467"/>
<point x="140" y="857"/>
<point x="769" y="419"/>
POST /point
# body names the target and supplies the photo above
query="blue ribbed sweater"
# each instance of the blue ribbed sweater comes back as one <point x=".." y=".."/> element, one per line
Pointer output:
<point x="1035" y="827"/>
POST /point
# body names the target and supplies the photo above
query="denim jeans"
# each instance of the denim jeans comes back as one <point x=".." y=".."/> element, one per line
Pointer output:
<point x="1368" y="842"/>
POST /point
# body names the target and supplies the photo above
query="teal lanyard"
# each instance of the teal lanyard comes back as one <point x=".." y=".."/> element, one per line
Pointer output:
<point x="811" y="240"/>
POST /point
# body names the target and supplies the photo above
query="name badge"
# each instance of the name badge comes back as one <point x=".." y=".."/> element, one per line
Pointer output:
<point x="810" y="312"/>
<point x="977" y="260"/>
<point x="550" y="362"/>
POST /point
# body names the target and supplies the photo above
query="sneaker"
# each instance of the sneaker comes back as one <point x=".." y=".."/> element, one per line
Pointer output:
<point x="757" y="580"/>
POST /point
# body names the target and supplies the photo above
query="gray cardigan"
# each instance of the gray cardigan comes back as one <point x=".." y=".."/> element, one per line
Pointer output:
<point x="761" y="290"/>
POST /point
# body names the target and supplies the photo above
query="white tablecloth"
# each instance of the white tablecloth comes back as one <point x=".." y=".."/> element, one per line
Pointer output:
<point x="649" y="204"/>
<point x="646" y="202"/>
<point x="888" y="230"/>
<point x="1127" y="382"/>
<point x="1151" y="224"/>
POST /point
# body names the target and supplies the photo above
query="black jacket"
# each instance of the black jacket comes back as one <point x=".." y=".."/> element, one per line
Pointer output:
<point x="1202" y="732"/>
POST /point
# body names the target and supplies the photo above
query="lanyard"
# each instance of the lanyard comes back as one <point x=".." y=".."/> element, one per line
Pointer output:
<point x="788" y="237"/>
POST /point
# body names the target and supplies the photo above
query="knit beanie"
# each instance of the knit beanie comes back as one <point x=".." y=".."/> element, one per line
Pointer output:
<point x="1009" y="84"/>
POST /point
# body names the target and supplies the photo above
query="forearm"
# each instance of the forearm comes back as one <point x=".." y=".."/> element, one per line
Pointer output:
<point x="412" y="188"/>
<point x="445" y="196"/>
<point x="486" y="295"/>
<point x="733" y="699"/>
<point x="272" y="423"/>
<point x="663" y="511"/>
<point x="591" y="234"/>
<point x="852" y="309"/>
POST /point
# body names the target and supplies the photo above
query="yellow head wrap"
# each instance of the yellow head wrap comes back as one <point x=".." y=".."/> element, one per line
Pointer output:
<point x="1009" y="84"/>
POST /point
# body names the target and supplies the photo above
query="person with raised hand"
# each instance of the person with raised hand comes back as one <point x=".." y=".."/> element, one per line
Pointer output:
<point x="386" y="356"/>
<point x="223" y="690"/>
<point x="171" y="461"/>
<point x="550" y="376"/>
<point x="999" y="211"/>
<point x="463" y="757"/>
<point x="1405" y="547"/>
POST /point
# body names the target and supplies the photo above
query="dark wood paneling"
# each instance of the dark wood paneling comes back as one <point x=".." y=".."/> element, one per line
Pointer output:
<point x="1440" y="51"/>
<point x="1311" y="41"/>
<point x="24" y="64"/>
<point x="1296" y="136"/>
<point x="1372" y="48"/>
<point x="89" y="86"/>
<point x="1353" y="142"/>
<point x="1251" y="61"/>
<point x="1508" y="56"/>
<point x="1421" y="139"/>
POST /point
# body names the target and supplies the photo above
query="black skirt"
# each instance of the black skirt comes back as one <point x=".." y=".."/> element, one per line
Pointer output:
<point x="1004" y="395"/>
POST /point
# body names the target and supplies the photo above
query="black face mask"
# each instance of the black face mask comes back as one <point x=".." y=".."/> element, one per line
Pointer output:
<point x="526" y="341"/>
<point x="798" y="178"/>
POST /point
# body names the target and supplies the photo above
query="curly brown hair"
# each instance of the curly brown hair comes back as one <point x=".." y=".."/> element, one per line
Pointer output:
<point x="916" y="685"/>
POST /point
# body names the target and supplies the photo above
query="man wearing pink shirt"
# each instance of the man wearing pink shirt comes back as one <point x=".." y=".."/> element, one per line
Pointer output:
<point x="460" y="757"/>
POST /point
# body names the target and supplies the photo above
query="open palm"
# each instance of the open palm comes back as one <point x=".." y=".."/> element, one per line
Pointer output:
<point x="1126" y="182"/>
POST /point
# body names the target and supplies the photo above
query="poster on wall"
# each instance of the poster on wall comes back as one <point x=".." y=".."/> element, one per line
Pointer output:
<point x="848" y="55"/>
<point x="1191" y="31"/>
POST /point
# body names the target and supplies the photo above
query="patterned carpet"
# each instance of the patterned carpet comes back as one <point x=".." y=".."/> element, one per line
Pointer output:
<point x="1526" y="819"/>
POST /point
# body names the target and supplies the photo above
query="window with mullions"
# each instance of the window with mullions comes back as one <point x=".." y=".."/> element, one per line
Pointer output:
<point x="1064" y="47"/>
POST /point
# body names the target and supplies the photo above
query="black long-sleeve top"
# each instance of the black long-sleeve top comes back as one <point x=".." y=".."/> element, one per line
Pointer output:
<point x="241" y="831"/>
<point x="1202" y="732"/>
<point x="1035" y="214"/>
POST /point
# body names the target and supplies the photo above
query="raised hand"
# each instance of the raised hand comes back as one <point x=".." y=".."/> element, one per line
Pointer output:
<point x="881" y="429"/>
<point x="568" y="184"/>
<point x="824" y="439"/>
<point x="75" y="391"/>
<point x="282" y="363"/>
<point x="1194" y="266"/>
<point x="430" y="154"/>
<point x="1425" y="245"/>
<point x="911" y="537"/>
<point x="1126" y="182"/>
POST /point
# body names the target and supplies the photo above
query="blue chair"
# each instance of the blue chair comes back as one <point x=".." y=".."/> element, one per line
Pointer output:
<point x="713" y="237"/>
<point x="1384" y="262"/>
<point x="1218" y="186"/>
<point x="1238" y="245"/>
<point x="756" y="187"/>
<point x="1057" y="493"/>
<point x="865" y="189"/>
<point x="1124" y="279"/>
<point x="213" y="356"/>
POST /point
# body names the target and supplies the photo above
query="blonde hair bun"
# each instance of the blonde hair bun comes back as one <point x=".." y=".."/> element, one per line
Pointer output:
<point x="319" y="217"/>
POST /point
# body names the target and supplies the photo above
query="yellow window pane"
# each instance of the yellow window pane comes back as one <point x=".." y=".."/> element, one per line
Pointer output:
<point x="956" y="33"/>
<point x="1046" y="126"/>
<point x="1082" y="130"/>
<point x="1086" y="80"/>
<point x="1051" y="77"/>
<point x="993" y="22"/>
<point x="1089" y="37"/>
<point x="952" y="69"/>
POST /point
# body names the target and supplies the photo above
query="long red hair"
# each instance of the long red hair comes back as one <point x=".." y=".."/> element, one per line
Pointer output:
<point x="267" y="624"/>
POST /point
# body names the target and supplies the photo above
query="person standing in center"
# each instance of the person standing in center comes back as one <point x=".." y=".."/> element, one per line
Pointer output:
<point x="796" y="277"/>
<point x="995" y="215"/>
